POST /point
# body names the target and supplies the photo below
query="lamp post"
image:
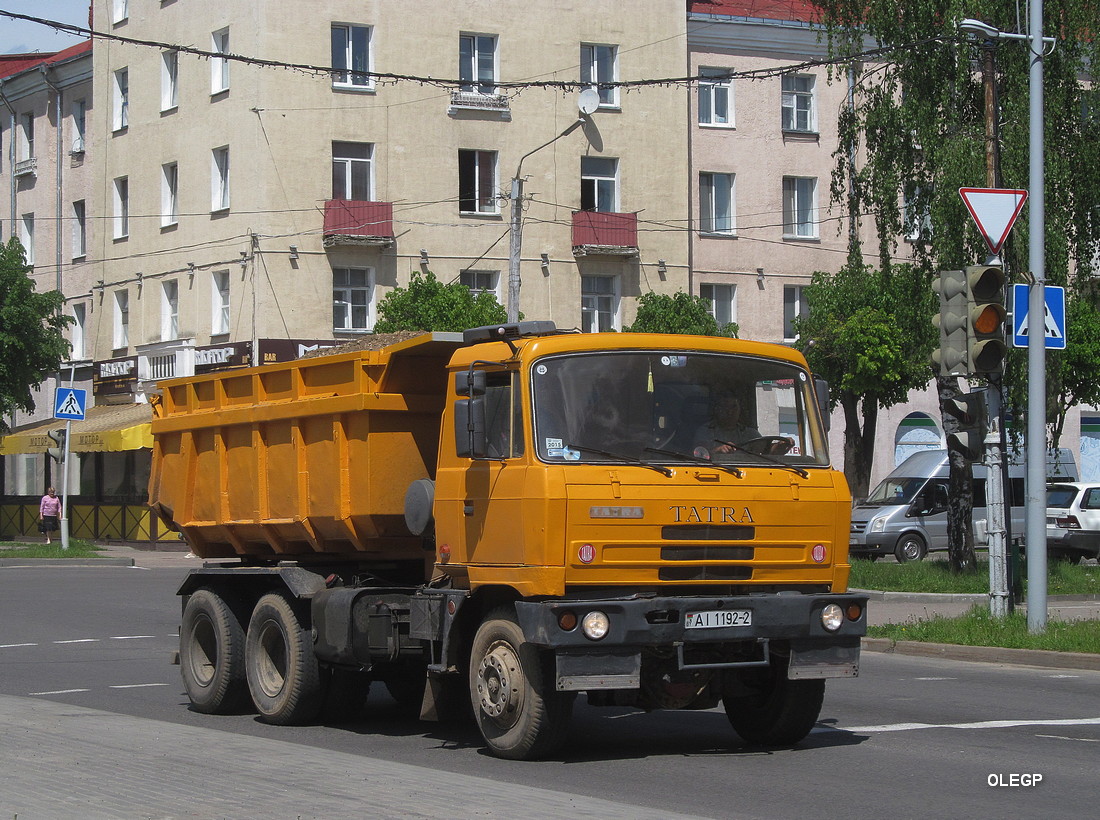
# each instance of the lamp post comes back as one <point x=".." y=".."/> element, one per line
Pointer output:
<point x="1035" y="533"/>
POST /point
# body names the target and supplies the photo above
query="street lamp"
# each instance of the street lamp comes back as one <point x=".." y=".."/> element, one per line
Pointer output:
<point x="1036" y="342"/>
<point x="587" y="102"/>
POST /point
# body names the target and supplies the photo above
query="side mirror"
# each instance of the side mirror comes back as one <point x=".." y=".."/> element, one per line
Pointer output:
<point x="470" y="383"/>
<point x="821" y="390"/>
<point x="470" y="438"/>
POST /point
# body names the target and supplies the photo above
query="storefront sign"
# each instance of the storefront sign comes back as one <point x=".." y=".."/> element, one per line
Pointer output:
<point x="114" y="376"/>
<point x="287" y="350"/>
<point x="222" y="357"/>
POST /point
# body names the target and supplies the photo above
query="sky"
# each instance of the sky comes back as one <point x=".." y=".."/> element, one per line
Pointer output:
<point x="23" y="37"/>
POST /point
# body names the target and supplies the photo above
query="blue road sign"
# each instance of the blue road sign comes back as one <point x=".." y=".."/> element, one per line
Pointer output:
<point x="70" y="403"/>
<point x="1054" y="318"/>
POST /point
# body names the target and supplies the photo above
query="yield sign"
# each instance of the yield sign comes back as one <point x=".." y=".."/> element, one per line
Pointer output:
<point x="994" y="211"/>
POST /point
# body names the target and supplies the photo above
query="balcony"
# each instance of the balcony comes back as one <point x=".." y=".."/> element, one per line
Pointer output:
<point x="601" y="233"/>
<point x="353" y="223"/>
<point x="476" y="101"/>
<point x="26" y="167"/>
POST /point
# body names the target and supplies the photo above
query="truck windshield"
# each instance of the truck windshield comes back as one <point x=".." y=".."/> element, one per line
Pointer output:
<point x="675" y="407"/>
<point x="894" y="491"/>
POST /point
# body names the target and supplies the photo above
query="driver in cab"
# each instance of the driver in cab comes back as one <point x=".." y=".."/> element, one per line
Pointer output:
<point x="728" y="430"/>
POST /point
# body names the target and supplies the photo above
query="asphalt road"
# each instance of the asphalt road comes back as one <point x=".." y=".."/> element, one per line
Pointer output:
<point x="94" y="722"/>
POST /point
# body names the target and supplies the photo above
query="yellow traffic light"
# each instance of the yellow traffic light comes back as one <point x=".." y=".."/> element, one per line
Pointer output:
<point x="986" y="316"/>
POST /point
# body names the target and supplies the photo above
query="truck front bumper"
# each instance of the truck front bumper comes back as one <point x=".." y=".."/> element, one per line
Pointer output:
<point x="636" y="623"/>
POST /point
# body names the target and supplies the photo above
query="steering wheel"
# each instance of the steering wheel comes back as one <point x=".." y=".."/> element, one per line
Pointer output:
<point x="768" y="445"/>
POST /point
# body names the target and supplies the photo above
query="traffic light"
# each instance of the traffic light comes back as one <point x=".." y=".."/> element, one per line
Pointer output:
<point x="58" y="437"/>
<point x="952" y="323"/>
<point x="969" y="413"/>
<point x="986" y="349"/>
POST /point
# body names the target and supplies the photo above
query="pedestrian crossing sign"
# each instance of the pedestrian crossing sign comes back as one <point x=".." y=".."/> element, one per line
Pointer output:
<point x="70" y="403"/>
<point x="1053" y="323"/>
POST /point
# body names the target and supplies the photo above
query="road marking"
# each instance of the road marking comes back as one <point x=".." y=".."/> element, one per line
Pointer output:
<point x="135" y="685"/>
<point x="935" y="678"/>
<point x="16" y="645"/>
<point x="60" y="692"/>
<point x="81" y="640"/>
<point x="1079" y="739"/>
<point x="130" y="637"/>
<point x="1058" y="677"/>
<point x="983" y="724"/>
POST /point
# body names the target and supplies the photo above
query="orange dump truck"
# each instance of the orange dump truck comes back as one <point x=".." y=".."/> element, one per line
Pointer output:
<point x="509" y="517"/>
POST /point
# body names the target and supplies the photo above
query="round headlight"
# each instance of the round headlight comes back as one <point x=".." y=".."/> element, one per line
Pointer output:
<point x="832" y="617"/>
<point x="595" y="625"/>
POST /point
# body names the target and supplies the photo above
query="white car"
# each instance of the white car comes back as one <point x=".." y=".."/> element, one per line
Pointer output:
<point x="1073" y="520"/>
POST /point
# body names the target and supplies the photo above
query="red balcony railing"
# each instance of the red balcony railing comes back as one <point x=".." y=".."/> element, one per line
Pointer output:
<point x="604" y="232"/>
<point x="358" y="221"/>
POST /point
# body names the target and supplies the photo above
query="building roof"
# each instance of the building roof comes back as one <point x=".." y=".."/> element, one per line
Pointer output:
<point x="12" y="64"/>
<point x="801" y="11"/>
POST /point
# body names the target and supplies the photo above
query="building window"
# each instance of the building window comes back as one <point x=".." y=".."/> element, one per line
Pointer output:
<point x="121" y="91"/>
<point x="599" y="184"/>
<point x="720" y="299"/>
<point x="798" y="103"/>
<point x="715" y="97"/>
<point x="169" y="194"/>
<point x="352" y="306"/>
<point x="219" y="179"/>
<point x="477" y="182"/>
<point x="599" y="304"/>
<point x="26" y="236"/>
<point x="219" y="296"/>
<point x="219" y="66"/>
<point x="26" y="136"/>
<point x="481" y="281"/>
<point x="79" y="323"/>
<point x="351" y="56"/>
<point x="122" y="320"/>
<point x="169" y="80"/>
<point x="80" y="229"/>
<point x="169" y="310"/>
<point x="351" y="171"/>
<point x="122" y="208"/>
<point x="120" y="10"/>
<point x="800" y="207"/>
<point x="599" y="67"/>
<point x="716" y="203"/>
<point x="80" y="124"/>
<point x="477" y="55"/>
<point x="794" y="305"/>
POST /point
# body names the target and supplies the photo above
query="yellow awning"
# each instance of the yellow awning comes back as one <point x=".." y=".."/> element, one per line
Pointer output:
<point x="107" y="428"/>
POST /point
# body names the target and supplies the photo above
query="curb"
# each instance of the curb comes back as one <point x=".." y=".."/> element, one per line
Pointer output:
<point x="66" y="562"/>
<point x="985" y="654"/>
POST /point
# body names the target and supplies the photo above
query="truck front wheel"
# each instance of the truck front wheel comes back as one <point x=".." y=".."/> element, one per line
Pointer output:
<point x="212" y="654"/>
<point x="519" y="712"/>
<point x="768" y="709"/>
<point x="283" y="675"/>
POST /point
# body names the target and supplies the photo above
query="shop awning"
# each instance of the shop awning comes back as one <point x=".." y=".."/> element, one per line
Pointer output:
<point x="107" y="428"/>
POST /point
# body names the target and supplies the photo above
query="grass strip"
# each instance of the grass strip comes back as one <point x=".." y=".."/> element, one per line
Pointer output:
<point x="78" y="548"/>
<point x="1063" y="578"/>
<point x="978" y="628"/>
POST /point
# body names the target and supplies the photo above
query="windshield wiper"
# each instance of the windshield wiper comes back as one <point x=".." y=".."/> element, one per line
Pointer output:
<point x="694" y="459"/>
<point x="628" y="459"/>
<point x="769" y="459"/>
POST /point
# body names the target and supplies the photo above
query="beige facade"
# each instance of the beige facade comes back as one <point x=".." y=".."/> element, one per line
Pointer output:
<point x="406" y="144"/>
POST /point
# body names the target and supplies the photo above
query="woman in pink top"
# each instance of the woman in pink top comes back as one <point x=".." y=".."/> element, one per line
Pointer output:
<point x="49" y="513"/>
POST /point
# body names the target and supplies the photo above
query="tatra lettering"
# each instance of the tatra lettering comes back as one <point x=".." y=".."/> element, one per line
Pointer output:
<point x="710" y="515"/>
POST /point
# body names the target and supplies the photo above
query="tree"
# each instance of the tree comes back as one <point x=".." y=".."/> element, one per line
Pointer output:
<point x="679" y="313"/>
<point x="869" y="334"/>
<point x="917" y="124"/>
<point x="32" y="341"/>
<point x="427" y="304"/>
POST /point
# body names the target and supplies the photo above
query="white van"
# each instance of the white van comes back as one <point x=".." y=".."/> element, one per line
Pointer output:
<point x="906" y="514"/>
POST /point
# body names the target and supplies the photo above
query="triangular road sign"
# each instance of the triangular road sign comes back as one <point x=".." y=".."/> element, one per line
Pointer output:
<point x="994" y="211"/>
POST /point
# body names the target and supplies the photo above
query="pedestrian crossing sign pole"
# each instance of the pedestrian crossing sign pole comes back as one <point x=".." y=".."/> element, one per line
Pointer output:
<point x="70" y="403"/>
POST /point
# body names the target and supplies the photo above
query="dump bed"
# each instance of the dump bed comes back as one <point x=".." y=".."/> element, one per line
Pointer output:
<point x="306" y="460"/>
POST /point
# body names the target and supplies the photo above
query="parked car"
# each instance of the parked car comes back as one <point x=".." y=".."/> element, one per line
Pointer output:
<point x="1073" y="520"/>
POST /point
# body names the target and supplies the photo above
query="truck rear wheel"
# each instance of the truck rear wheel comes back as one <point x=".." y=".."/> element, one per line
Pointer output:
<point x="769" y="709"/>
<point x="212" y="654"/>
<point x="284" y="677"/>
<point x="519" y="712"/>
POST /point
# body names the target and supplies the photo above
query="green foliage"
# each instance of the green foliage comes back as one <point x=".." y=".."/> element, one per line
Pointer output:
<point x="679" y="313"/>
<point x="32" y="342"/>
<point x="1072" y="373"/>
<point x="427" y="304"/>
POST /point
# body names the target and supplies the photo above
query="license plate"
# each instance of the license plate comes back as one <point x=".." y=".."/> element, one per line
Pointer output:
<point x="715" y="618"/>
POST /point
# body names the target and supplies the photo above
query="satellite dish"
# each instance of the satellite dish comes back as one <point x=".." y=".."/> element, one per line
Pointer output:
<point x="588" y="100"/>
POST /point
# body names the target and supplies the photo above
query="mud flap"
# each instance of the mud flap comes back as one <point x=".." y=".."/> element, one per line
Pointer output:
<point x="814" y="659"/>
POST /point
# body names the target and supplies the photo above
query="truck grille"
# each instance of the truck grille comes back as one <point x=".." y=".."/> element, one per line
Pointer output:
<point x="705" y="573"/>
